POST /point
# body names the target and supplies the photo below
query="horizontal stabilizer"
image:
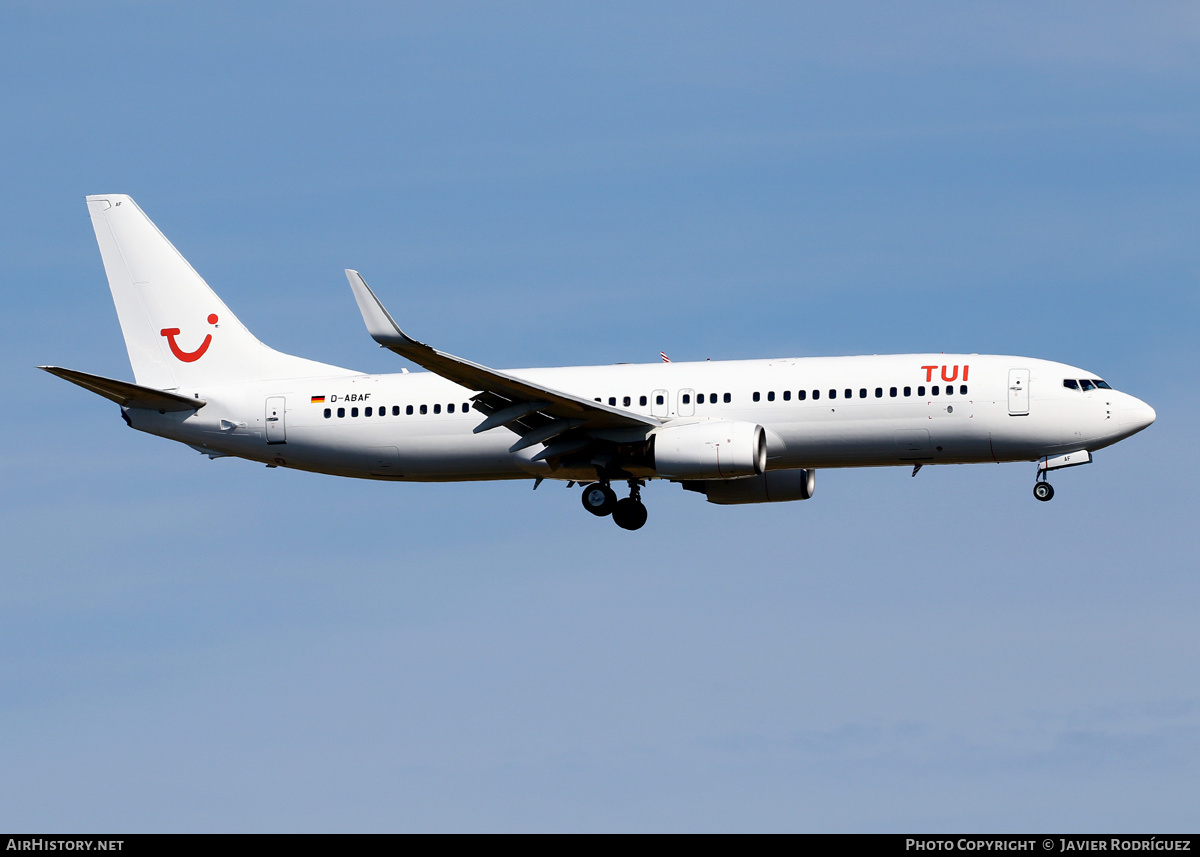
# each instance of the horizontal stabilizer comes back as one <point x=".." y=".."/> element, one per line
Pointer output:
<point x="125" y="394"/>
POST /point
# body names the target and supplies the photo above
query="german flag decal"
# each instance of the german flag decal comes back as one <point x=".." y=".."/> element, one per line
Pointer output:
<point x="318" y="400"/>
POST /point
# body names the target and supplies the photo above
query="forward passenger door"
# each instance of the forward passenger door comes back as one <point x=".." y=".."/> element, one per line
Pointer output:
<point x="1018" y="392"/>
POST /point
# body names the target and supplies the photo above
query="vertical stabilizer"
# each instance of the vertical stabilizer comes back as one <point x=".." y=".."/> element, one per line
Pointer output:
<point x="177" y="331"/>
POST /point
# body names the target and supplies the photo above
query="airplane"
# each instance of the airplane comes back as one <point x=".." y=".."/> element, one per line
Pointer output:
<point x="738" y="432"/>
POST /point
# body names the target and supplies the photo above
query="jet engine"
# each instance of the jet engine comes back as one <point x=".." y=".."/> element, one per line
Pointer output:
<point x="718" y="449"/>
<point x="775" y="487"/>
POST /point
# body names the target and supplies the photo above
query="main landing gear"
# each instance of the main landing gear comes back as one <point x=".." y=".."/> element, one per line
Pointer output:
<point x="628" y="514"/>
<point x="599" y="499"/>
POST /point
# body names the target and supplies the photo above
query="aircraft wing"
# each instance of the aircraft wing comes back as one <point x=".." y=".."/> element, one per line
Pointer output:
<point x="539" y="414"/>
<point x="126" y="394"/>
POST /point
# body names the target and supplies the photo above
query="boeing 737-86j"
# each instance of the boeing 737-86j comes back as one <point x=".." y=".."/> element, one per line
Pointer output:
<point x="744" y="431"/>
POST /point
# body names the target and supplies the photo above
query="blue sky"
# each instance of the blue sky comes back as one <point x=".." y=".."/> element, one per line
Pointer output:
<point x="196" y="645"/>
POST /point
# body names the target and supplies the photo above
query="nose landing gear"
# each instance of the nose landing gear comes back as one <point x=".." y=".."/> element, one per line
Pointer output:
<point x="628" y="514"/>
<point x="1043" y="490"/>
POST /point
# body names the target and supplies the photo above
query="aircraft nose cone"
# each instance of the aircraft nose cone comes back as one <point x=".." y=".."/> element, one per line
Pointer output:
<point x="1136" y="415"/>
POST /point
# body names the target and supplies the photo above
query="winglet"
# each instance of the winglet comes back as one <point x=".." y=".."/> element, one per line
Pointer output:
<point x="379" y="322"/>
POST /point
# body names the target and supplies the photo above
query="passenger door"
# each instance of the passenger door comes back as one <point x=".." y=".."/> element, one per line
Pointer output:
<point x="1018" y="392"/>
<point x="276" y="426"/>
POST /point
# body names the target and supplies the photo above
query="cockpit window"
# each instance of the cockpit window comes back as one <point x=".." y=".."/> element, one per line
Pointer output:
<point x="1086" y="385"/>
<point x="1071" y="384"/>
<point x="1103" y="385"/>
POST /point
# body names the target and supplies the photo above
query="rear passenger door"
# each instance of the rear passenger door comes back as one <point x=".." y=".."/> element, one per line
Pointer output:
<point x="276" y="427"/>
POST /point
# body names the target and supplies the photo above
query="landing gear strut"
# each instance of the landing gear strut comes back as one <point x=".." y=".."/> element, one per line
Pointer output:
<point x="630" y="514"/>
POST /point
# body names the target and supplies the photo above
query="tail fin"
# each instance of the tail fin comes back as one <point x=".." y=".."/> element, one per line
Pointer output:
<point x="177" y="331"/>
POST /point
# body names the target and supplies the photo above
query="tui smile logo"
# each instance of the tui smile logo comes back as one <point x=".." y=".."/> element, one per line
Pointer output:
<point x="187" y="356"/>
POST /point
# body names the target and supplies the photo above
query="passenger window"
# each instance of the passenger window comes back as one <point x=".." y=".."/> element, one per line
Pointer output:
<point x="907" y="391"/>
<point x="437" y="409"/>
<point x="328" y="413"/>
<point x="354" y="412"/>
<point x="424" y="409"/>
<point x="466" y="407"/>
<point x="1103" y="385"/>
<point x="408" y="410"/>
<point x="628" y="401"/>
<point x="341" y="413"/>
<point x="862" y="392"/>
<point x="395" y="410"/>
<point x="1086" y="384"/>
<point x="787" y="395"/>
<point x="712" y="398"/>
<point x="892" y="392"/>
<point x="658" y="400"/>
<point x="816" y="395"/>
<point x="687" y="399"/>
<point x="920" y="391"/>
<point x="1071" y="384"/>
<point x="936" y="390"/>
<point x="642" y="401"/>
<point x="802" y="394"/>
<point x="771" y="396"/>
<point x="597" y="400"/>
<point x="367" y="412"/>
<point x="756" y="395"/>
<point x="612" y="401"/>
<point x="962" y="390"/>
<point x="833" y="394"/>
<point x="450" y="408"/>
<point x="728" y="398"/>
<point x="949" y="389"/>
<point x="879" y="392"/>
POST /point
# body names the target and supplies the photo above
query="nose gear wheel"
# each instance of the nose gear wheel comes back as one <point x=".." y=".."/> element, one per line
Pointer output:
<point x="1042" y="489"/>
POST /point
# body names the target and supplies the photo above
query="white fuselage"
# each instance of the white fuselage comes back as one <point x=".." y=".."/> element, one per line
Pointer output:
<point x="855" y="412"/>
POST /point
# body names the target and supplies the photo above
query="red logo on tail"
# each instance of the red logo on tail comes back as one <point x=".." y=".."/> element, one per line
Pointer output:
<point x="187" y="356"/>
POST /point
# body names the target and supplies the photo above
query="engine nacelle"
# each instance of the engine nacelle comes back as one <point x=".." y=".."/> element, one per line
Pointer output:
<point x="719" y="449"/>
<point x="777" y="486"/>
